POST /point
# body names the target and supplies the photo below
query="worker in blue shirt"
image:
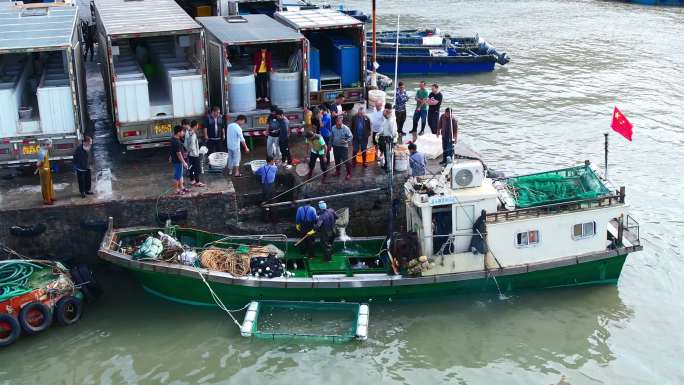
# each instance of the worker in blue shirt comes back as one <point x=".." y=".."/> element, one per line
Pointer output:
<point x="325" y="226"/>
<point x="326" y="129"/>
<point x="268" y="174"/>
<point x="305" y="221"/>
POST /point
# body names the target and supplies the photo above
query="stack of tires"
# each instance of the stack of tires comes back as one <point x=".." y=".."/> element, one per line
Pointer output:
<point x="36" y="316"/>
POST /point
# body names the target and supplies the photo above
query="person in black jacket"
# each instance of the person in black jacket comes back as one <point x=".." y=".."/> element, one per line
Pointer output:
<point x="82" y="166"/>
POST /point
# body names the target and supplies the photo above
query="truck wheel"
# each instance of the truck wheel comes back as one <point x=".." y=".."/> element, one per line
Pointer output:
<point x="68" y="310"/>
<point x="35" y="317"/>
<point x="9" y="330"/>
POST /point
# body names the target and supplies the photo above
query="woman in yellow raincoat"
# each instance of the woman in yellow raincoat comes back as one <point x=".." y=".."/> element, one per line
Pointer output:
<point x="45" y="172"/>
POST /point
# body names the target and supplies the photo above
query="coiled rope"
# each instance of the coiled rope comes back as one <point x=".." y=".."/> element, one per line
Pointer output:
<point x="14" y="277"/>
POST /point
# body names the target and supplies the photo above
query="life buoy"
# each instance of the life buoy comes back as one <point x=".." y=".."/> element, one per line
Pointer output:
<point x="9" y="330"/>
<point x="28" y="231"/>
<point x="68" y="310"/>
<point x="35" y="317"/>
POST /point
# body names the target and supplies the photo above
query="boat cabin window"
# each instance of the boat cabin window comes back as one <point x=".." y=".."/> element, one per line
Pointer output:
<point x="527" y="238"/>
<point x="583" y="230"/>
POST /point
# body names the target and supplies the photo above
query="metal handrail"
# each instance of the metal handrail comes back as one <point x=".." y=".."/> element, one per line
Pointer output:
<point x="262" y="237"/>
<point x="556" y="207"/>
<point x="632" y="224"/>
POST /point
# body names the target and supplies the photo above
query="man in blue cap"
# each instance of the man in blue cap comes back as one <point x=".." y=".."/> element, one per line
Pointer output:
<point x="305" y="221"/>
<point x="325" y="226"/>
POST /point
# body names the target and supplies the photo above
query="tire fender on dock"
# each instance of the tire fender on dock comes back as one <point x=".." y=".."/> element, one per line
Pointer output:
<point x="28" y="231"/>
<point x="35" y="317"/>
<point x="9" y="330"/>
<point x="68" y="310"/>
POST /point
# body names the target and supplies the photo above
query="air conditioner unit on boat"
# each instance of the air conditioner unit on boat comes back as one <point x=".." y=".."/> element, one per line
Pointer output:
<point x="467" y="174"/>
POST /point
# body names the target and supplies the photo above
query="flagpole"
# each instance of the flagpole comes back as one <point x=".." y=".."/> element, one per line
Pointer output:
<point x="605" y="136"/>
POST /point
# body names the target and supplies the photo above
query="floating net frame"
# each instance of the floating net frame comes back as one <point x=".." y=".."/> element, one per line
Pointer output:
<point x="358" y="330"/>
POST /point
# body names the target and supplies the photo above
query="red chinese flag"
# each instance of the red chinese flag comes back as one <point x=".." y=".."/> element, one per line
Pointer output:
<point x="621" y="125"/>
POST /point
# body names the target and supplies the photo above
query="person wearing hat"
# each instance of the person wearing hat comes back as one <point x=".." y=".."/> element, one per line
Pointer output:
<point x="44" y="170"/>
<point x="448" y="128"/>
<point x="325" y="226"/>
<point x="305" y="221"/>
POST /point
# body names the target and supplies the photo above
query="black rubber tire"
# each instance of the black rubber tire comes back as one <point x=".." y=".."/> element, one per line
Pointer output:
<point x="94" y="225"/>
<point x="14" y="330"/>
<point x="26" y="324"/>
<point x="85" y="279"/>
<point x="175" y="216"/>
<point x="28" y="231"/>
<point x="68" y="310"/>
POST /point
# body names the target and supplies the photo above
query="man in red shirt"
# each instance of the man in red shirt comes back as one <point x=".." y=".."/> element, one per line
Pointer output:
<point x="262" y="67"/>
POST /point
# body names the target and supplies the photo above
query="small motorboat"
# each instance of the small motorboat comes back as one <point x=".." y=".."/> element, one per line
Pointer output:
<point x="429" y="51"/>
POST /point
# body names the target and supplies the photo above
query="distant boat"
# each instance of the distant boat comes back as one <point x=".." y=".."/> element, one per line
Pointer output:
<point x="429" y="51"/>
<point x="656" y="2"/>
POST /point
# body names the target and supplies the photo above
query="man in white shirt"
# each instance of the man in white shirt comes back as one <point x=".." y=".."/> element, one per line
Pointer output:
<point x="235" y="139"/>
<point x="388" y="131"/>
<point x="376" y="120"/>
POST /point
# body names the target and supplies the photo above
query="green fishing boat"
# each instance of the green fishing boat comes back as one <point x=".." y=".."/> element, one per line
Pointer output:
<point x="464" y="232"/>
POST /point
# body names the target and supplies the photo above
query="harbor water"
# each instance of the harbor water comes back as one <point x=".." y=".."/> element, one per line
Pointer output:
<point x="571" y="63"/>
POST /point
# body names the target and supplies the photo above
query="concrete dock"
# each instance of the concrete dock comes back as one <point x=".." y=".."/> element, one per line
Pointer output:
<point x="135" y="188"/>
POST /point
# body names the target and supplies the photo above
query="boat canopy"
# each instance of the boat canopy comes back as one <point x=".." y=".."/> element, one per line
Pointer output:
<point x="569" y="184"/>
<point x="249" y="29"/>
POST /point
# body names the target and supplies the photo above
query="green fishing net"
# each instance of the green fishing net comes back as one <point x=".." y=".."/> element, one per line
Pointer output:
<point x="558" y="186"/>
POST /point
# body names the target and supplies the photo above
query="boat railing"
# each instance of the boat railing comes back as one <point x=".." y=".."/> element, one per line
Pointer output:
<point x="556" y="208"/>
<point x="255" y="238"/>
<point x="632" y="227"/>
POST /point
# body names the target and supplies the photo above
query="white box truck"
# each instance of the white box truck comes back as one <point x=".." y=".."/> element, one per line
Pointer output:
<point x="154" y="70"/>
<point x="231" y="45"/>
<point x="42" y="81"/>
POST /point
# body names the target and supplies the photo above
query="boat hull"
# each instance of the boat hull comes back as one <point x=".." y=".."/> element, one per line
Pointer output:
<point x="191" y="289"/>
<point x="422" y="65"/>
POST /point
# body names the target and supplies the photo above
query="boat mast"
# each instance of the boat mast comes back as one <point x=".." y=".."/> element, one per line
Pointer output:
<point x="374" y="74"/>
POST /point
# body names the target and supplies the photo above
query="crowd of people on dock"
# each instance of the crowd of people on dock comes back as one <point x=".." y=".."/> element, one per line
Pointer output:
<point x="331" y="131"/>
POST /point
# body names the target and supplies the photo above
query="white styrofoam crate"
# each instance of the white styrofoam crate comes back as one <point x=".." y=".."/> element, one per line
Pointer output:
<point x="56" y="110"/>
<point x="133" y="100"/>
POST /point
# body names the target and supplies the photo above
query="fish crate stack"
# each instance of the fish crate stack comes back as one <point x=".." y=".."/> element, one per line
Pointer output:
<point x="181" y="79"/>
<point x="54" y="97"/>
<point x="131" y="87"/>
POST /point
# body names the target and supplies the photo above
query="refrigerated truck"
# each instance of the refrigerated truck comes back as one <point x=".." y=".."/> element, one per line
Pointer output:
<point x="336" y="54"/>
<point x="231" y="43"/>
<point x="42" y="81"/>
<point x="154" y="68"/>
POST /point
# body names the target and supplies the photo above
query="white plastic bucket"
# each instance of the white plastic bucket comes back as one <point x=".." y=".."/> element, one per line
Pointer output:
<point x="401" y="158"/>
<point x="313" y="85"/>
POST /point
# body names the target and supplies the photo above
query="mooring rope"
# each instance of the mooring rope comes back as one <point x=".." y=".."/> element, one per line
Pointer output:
<point x="220" y="303"/>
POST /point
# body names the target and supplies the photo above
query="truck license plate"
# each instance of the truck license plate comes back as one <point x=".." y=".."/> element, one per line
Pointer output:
<point x="262" y="120"/>
<point x="30" y="149"/>
<point x="162" y="128"/>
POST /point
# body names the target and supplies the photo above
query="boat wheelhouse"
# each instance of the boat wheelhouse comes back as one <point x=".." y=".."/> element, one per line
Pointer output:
<point x="429" y="51"/>
<point x="465" y="232"/>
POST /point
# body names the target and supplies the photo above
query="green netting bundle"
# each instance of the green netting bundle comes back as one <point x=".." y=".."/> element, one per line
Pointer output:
<point x="556" y="186"/>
